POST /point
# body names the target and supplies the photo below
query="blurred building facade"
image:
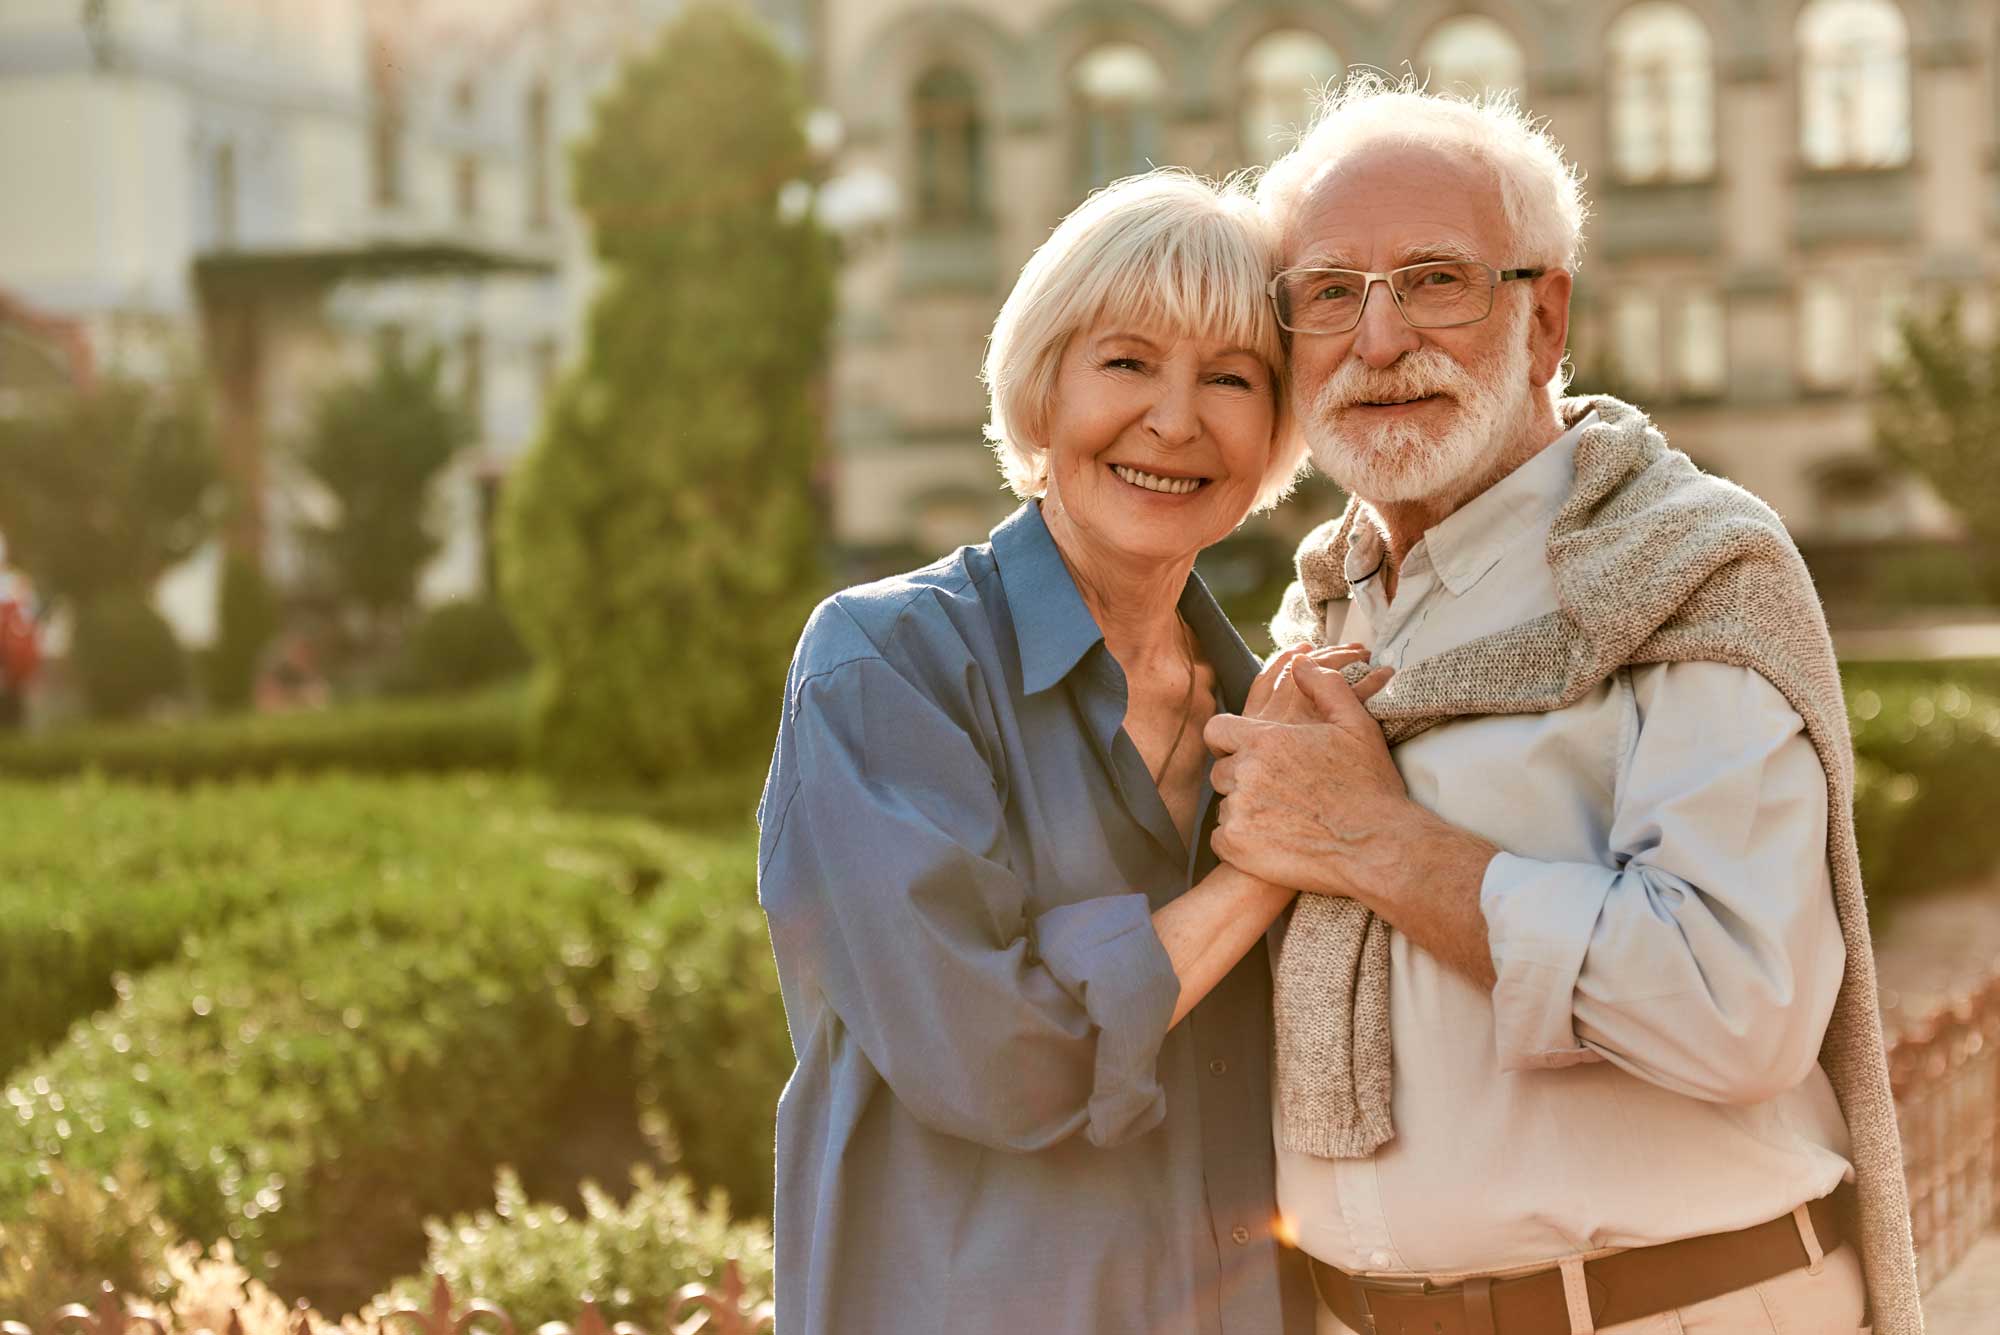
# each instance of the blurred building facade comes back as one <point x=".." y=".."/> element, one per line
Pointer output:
<point x="1774" y="182"/>
<point x="272" y="189"/>
<point x="266" y="192"/>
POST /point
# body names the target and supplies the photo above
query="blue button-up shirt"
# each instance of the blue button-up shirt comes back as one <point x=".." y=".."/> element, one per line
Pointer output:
<point x="991" y="1127"/>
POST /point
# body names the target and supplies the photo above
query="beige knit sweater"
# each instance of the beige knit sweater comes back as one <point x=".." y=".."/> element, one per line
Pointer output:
<point x="1654" y="561"/>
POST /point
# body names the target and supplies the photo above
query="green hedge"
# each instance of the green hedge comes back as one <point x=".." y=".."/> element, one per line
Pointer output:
<point x="319" y="1079"/>
<point x="479" y="732"/>
<point x="99" y="879"/>
<point x="365" y="993"/>
<point x="694" y="980"/>
<point x="1927" y="758"/>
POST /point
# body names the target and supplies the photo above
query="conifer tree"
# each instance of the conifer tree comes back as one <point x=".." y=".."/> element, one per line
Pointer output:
<point x="658" y="541"/>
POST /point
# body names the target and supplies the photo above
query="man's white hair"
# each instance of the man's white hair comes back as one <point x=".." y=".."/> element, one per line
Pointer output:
<point x="1541" y="194"/>
<point x="1166" y="250"/>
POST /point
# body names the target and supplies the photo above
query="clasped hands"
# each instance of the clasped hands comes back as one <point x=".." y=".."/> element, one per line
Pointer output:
<point x="1310" y="796"/>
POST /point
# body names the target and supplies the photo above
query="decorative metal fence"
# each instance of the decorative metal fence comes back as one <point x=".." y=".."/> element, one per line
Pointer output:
<point x="1945" y="1070"/>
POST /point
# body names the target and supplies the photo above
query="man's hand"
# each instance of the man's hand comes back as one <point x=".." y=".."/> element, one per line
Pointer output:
<point x="1321" y="807"/>
<point x="1276" y="696"/>
<point x="1309" y="790"/>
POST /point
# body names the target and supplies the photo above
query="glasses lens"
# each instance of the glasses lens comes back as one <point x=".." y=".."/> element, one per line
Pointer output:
<point x="1320" y="301"/>
<point x="1444" y="293"/>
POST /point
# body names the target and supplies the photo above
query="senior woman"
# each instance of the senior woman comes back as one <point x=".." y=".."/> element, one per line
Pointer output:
<point x="1033" y="1037"/>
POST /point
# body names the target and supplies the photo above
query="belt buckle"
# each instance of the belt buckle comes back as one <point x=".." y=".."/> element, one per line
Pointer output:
<point x="1416" y="1286"/>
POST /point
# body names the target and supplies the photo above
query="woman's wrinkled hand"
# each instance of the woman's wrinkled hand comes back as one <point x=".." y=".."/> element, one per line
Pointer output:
<point x="1275" y="696"/>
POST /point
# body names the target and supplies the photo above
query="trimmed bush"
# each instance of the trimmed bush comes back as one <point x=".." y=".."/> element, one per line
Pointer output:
<point x="98" y="880"/>
<point x="534" y="1260"/>
<point x="459" y="646"/>
<point x="77" y="1233"/>
<point x="482" y="732"/>
<point x="1928" y="764"/>
<point x="126" y="656"/>
<point x="312" y="1083"/>
<point x="694" y="979"/>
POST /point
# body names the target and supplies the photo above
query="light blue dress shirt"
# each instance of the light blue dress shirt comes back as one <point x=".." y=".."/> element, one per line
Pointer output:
<point x="1661" y="923"/>
<point x="991" y="1127"/>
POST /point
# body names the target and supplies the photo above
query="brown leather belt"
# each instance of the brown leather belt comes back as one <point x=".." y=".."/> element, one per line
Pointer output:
<point x="1623" y="1287"/>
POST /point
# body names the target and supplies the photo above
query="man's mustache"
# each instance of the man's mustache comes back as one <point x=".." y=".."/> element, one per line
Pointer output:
<point x="1415" y="375"/>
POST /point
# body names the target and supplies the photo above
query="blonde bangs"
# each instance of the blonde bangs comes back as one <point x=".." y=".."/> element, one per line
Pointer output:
<point x="1167" y="252"/>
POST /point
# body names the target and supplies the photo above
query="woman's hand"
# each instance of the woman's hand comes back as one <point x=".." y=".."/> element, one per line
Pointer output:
<point x="1275" y="696"/>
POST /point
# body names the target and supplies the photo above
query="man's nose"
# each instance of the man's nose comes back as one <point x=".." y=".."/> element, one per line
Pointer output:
<point x="1383" y="334"/>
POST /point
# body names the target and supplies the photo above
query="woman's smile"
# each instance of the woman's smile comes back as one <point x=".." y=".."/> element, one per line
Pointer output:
<point x="1159" y="484"/>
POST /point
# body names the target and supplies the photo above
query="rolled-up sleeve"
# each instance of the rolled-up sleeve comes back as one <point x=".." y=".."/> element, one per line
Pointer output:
<point x="1707" y="958"/>
<point x="884" y="881"/>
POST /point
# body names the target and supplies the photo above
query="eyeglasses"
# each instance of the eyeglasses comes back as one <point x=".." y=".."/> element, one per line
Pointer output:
<point x="1435" y="295"/>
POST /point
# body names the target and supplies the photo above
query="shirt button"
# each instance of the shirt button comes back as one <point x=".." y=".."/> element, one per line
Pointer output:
<point x="1380" y="1260"/>
<point x="1240" y="1235"/>
<point x="1218" y="1067"/>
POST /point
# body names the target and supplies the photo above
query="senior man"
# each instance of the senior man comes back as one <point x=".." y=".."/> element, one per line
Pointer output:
<point x="1576" y="1024"/>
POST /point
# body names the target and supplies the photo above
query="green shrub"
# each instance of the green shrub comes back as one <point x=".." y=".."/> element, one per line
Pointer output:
<point x="77" y="1233"/>
<point x="1928" y="764"/>
<point x="695" y="981"/>
<point x="482" y="732"/>
<point x="536" y="1260"/>
<point x="312" y="1082"/>
<point x="457" y="647"/>
<point x="98" y="880"/>
<point x="126" y="656"/>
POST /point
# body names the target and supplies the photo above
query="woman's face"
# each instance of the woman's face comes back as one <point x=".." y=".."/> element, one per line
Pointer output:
<point x="1158" y="443"/>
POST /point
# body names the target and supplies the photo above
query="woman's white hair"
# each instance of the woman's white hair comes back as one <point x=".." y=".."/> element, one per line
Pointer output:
<point x="1541" y="195"/>
<point x="1168" y="251"/>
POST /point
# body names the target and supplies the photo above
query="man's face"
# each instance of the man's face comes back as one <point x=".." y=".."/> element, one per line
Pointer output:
<point x="1395" y="413"/>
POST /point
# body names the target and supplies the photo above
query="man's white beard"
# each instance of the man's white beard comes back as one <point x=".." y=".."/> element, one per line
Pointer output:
<point x="1408" y="461"/>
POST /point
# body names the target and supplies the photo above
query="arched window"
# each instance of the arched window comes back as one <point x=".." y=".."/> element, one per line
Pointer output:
<point x="1281" y="73"/>
<point x="1662" y="94"/>
<point x="1472" y="54"/>
<point x="1854" y="84"/>
<point x="951" y="146"/>
<point x="1119" y="89"/>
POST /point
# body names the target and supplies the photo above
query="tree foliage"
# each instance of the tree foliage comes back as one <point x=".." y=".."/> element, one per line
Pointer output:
<point x="377" y="444"/>
<point x="658" y="547"/>
<point x="101" y="495"/>
<point x="1939" y="415"/>
<point x="107" y="491"/>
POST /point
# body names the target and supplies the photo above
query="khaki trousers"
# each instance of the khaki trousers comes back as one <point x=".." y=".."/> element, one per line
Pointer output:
<point x="1801" y="1302"/>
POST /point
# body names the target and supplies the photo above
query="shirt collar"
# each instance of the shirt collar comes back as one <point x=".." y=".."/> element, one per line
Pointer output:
<point x="1467" y="543"/>
<point x="1053" y="629"/>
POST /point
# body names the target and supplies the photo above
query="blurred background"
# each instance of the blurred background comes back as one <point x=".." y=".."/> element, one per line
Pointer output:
<point x="425" y="425"/>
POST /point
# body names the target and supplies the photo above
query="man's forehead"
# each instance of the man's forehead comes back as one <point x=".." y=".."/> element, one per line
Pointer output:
<point x="1407" y="201"/>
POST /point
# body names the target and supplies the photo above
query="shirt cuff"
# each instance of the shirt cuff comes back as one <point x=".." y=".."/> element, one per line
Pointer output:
<point x="1106" y="954"/>
<point x="1539" y="920"/>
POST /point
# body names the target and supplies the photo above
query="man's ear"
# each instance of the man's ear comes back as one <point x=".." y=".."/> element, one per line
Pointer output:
<point x="1548" y="326"/>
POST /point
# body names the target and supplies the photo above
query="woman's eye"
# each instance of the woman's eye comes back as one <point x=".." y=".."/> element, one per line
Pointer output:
<point x="1233" y="380"/>
<point x="1125" y="363"/>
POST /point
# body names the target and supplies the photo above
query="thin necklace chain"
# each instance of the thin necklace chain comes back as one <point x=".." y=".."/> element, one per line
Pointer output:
<point x="1187" y="703"/>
